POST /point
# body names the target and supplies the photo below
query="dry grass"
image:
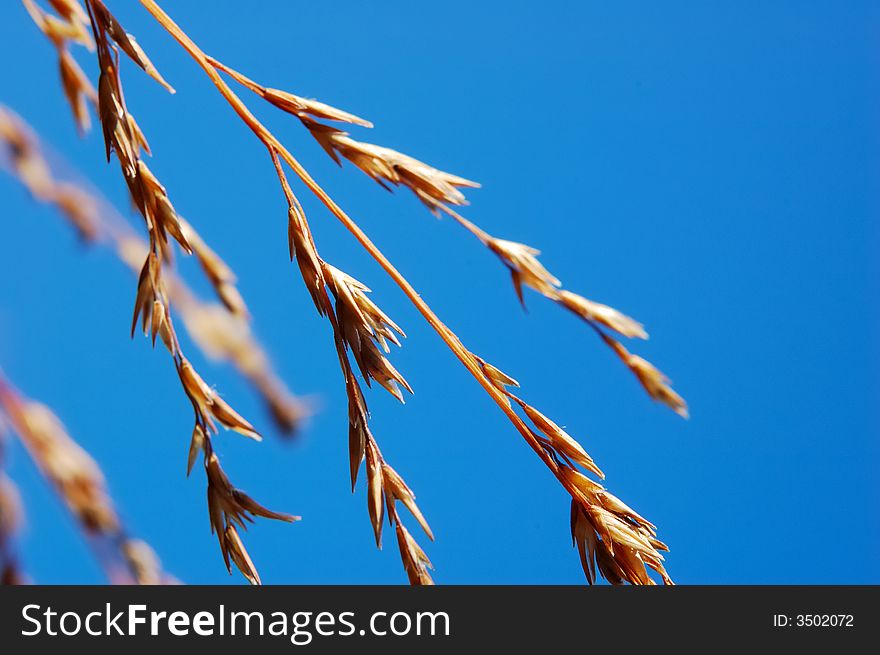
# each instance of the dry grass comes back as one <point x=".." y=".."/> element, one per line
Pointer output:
<point x="69" y="27"/>
<point x="121" y="131"/>
<point x="612" y="539"/>
<point x="123" y="136"/>
<point x="361" y="328"/>
<point x="79" y="482"/>
<point x="440" y="191"/>
<point x="11" y="517"/>
<point x="221" y="334"/>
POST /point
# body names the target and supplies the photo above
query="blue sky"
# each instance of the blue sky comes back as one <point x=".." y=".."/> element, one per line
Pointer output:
<point x="709" y="168"/>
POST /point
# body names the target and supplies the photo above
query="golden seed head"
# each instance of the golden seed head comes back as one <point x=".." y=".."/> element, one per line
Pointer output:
<point x="657" y="385"/>
<point x="366" y="329"/>
<point x="602" y="314"/>
<point x="524" y="267"/>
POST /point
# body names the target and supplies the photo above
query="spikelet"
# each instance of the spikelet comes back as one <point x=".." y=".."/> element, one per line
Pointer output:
<point x="594" y="312"/>
<point x="524" y="267"/>
<point x="224" y="336"/>
<point x="108" y="26"/>
<point x="229" y="508"/>
<point x="389" y="167"/>
<point x="210" y="407"/>
<point x="655" y="383"/>
<point x="366" y="331"/>
<point x="69" y="26"/>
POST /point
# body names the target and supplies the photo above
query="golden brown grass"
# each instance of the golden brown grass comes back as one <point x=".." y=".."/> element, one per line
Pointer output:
<point x="440" y="191"/>
<point x="221" y="334"/>
<point x="79" y="482"/>
<point x="10" y="520"/>
<point x="611" y="537"/>
<point x="361" y="328"/>
<point x="123" y="136"/>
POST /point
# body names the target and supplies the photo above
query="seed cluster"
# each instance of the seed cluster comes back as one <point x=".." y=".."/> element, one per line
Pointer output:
<point x="612" y="539"/>
<point x="608" y="534"/>
<point x="79" y="482"/>
<point x="222" y="334"/>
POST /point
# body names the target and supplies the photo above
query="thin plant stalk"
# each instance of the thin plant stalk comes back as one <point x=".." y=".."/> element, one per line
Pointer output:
<point x="592" y="510"/>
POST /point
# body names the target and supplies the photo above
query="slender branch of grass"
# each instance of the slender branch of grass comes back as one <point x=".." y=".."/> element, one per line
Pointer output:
<point x="80" y="484"/>
<point x="229" y="508"/>
<point x="358" y="325"/>
<point x="439" y="191"/>
<point x="220" y="333"/>
<point x="611" y="538"/>
<point x="627" y="540"/>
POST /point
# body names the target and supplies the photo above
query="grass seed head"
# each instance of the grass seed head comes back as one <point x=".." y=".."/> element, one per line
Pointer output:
<point x="602" y="314"/>
<point x="107" y="24"/>
<point x="524" y="267"/>
<point x="657" y="385"/>
<point x="612" y="539"/>
<point x="229" y="509"/>
<point x="366" y="330"/>
<point x="415" y="562"/>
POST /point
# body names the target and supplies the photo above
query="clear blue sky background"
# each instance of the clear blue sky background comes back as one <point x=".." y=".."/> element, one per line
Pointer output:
<point x="709" y="168"/>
